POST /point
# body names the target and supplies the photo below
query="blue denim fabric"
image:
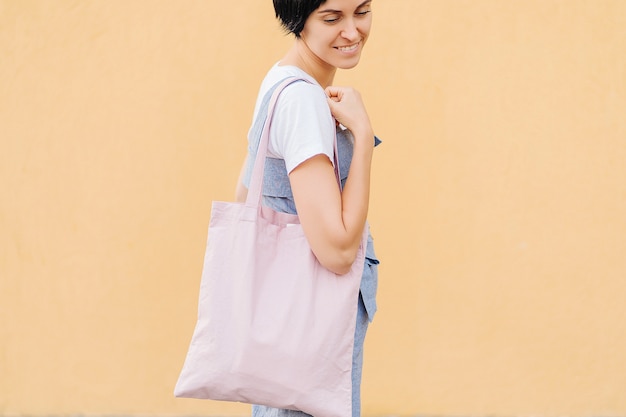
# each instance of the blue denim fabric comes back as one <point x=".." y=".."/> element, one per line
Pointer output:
<point x="277" y="195"/>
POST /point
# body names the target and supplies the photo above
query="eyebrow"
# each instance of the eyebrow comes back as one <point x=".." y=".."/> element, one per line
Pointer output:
<point x="339" y="11"/>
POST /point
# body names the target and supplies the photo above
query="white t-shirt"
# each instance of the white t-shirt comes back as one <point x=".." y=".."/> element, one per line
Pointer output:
<point x="302" y="125"/>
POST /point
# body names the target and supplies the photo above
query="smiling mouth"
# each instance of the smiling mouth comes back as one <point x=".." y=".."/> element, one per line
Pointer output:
<point x="349" y="48"/>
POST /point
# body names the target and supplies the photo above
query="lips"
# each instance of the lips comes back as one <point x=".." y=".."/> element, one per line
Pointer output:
<point x="349" y="48"/>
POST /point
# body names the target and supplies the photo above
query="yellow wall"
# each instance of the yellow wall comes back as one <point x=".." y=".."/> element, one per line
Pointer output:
<point x="499" y="199"/>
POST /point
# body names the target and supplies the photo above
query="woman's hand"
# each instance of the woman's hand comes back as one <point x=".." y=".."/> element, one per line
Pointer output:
<point x="346" y="106"/>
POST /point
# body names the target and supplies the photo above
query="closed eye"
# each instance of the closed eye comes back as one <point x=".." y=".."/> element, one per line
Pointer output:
<point x="333" y="16"/>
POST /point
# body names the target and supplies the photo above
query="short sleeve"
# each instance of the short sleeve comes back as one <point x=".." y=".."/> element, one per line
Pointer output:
<point x="302" y="125"/>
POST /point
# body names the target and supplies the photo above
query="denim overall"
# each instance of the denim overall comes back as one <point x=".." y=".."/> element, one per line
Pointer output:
<point x="277" y="195"/>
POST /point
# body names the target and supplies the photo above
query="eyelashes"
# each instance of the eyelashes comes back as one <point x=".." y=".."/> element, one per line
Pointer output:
<point x="336" y="19"/>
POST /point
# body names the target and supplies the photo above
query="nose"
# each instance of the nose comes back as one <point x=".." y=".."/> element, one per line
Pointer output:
<point x="350" y="30"/>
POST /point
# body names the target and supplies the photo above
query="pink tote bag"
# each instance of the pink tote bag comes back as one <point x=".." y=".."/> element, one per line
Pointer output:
<point x="274" y="326"/>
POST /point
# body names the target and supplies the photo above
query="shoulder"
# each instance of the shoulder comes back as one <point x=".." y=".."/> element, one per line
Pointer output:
<point x="303" y="104"/>
<point x="302" y="95"/>
<point x="299" y="92"/>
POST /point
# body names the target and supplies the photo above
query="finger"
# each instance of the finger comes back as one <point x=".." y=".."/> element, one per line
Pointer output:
<point x="333" y="91"/>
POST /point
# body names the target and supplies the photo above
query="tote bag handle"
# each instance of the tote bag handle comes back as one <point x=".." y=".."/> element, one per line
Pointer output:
<point x="256" y="181"/>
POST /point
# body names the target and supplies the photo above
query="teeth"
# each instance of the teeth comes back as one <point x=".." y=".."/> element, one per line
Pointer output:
<point x="348" y="48"/>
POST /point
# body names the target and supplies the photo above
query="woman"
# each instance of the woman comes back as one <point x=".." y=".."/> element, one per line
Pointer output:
<point x="329" y="34"/>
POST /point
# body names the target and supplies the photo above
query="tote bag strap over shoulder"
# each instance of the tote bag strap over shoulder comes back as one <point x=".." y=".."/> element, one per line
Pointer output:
<point x="256" y="181"/>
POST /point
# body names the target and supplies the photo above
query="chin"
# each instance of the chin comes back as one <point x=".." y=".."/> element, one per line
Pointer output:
<point x="348" y="65"/>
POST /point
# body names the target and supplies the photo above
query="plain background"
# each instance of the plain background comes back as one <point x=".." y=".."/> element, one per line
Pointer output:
<point x="498" y="203"/>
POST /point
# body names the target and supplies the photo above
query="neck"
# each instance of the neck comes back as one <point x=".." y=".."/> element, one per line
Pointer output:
<point x="302" y="57"/>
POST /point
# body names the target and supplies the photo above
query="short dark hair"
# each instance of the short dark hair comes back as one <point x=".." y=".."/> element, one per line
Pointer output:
<point x="294" y="13"/>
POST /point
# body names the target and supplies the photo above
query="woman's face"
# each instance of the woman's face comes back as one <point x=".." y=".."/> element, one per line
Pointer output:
<point x="337" y="31"/>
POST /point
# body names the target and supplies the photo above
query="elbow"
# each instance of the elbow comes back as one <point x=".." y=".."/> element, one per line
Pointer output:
<point x="340" y="262"/>
<point x="241" y="193"/>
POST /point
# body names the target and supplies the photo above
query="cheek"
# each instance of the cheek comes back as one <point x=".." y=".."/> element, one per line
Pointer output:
<point x="317" y="36"/>
<point x="365" y="29"/>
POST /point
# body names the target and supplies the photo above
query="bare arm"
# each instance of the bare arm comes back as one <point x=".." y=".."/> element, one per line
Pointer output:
<point x="333" y="222"/>
<point x="241" y="192"/>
